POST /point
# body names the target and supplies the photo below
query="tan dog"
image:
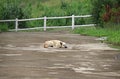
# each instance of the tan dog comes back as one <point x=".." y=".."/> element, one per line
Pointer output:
<point x="55" y="44"/>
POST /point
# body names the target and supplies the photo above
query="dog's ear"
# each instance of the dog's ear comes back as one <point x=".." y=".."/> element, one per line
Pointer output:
<point x="61" y="43"/>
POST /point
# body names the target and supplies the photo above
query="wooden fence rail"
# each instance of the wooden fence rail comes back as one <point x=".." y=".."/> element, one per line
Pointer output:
<point x="45" y="21"/>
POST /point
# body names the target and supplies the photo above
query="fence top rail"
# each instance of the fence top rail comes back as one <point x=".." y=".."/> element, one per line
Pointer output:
<point x="7" y="20"/>
<point x="83" y="16"/>
<point x="43" y="18"/>
<point x="30" y="19"/>
<point x="59" y="17"/>
<point x="46" y="18"/>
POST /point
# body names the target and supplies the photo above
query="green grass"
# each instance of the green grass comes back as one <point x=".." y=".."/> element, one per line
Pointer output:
<point x="113" y="36"/>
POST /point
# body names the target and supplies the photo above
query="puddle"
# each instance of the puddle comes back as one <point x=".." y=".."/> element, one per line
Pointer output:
<point x="117" y="57"/>
<point x="71" y="47"/>
<point x="101" y="38"/>
<point x="97" y="46"/>
<point x="53" y="73"/>
<point x="83" y="69"/>
<point x="11" y="54"/>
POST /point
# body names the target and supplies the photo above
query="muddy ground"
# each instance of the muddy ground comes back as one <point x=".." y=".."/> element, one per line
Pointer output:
<point x="22" y="56"/>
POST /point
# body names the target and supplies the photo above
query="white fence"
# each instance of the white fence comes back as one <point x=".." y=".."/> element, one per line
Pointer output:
<point x="45" y="22"/>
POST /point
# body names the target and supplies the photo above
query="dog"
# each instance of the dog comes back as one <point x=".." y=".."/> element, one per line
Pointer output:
<point x="55" y="44"/>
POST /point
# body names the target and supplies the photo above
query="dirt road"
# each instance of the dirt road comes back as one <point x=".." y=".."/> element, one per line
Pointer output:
<point x="22" y="56"/>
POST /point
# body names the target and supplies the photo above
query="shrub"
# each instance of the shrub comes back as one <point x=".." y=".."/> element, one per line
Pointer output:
<point x="3" y="28"/>
<point x="106" y="11"/>
<point x="12" y="11"/>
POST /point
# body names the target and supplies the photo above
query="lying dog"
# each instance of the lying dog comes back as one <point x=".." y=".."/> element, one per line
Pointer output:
<point x="55" y="44"/>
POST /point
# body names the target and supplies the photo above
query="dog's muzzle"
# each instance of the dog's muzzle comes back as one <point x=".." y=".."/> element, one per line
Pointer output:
<point x="65" y="46"/>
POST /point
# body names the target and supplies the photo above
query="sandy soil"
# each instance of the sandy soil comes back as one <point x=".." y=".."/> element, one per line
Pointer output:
<point x="22" y="56"/>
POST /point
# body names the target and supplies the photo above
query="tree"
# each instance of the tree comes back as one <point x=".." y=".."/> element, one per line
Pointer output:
<point x="10" y="10"/>
<point x="105" y="10"/>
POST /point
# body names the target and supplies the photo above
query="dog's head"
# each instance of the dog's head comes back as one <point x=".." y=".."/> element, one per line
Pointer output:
<point x="63" y="44"/>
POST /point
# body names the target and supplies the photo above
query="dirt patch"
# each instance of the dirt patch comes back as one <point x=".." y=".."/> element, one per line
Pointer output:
<point x="22" y="56"/>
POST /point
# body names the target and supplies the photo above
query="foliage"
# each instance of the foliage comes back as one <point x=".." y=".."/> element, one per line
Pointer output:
<point x="106" y="11"/>
<point x="40" y="8"/>
<point x="3" y="28"/>
<point x="61" y="8"/>
<point x="10" y="10"/>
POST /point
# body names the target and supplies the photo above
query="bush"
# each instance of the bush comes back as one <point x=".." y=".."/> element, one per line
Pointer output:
<point x="38" y="8"/>
<point x="12" y="11"/>
<point x="105" y="11"/>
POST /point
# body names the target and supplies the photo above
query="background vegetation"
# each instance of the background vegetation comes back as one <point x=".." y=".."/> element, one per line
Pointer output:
<point x="106" y="12"/>
<point x="106" y="16"/>
<point x="11" y="9"/>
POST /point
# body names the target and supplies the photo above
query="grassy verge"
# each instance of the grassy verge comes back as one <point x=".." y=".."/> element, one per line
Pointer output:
<point x="113" y="36"/>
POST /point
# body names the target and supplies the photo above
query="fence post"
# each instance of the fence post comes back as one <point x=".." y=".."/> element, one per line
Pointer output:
<point x="16" y="24"/>
<point x="73" y="22"/>
<point x="45" y="19"/>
